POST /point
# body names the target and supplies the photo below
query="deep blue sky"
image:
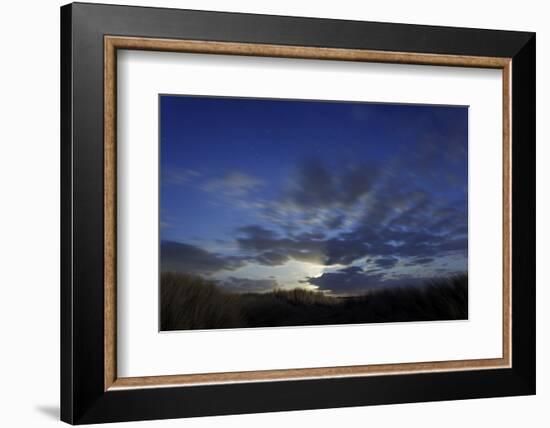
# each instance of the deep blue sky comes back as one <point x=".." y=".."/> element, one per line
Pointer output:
<point x="336" y="196"/>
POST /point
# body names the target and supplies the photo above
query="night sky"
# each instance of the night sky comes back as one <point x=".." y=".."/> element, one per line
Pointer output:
<point x="340" y="197"/>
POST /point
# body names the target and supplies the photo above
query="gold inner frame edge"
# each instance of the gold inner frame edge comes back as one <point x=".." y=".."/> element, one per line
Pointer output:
<point x="113" y="43"/>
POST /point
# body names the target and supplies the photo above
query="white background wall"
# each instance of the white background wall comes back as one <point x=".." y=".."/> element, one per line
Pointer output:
<point x="29" y="214"/>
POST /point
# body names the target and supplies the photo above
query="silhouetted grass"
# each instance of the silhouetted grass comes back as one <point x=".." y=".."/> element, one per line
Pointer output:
<point x="190" y="302"/>
<point x="301" y="296"/>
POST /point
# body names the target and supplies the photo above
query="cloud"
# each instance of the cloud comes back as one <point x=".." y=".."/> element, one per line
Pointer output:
<point x="319" y="196"/>
<point x="256" y="231"/>
<point x="315" y="185"/>
<point x="354" y="280"/>
<point x="335" y="222"/>
<point x="346" y="282"/>
<point x="345" y="250"/>
<point x="350" y="270"/>
<point x="180" y="175"/>
<point x="342" y="215"/>
<point x="310" y="236"/>
<point x="386" y="245"/>
<point x="272" y="258"/>
<point x="365" y="211"/>
<point x="180" y="257"/>
<point x="233" y="184"/>
<point x="420" y="261"/>
<point x="386" y="263"/>
<point x="272" y="249"/>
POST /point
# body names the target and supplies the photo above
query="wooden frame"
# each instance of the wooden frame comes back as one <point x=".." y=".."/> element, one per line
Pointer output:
<point x="513" y="53"/>
<point x="112" y="43"/>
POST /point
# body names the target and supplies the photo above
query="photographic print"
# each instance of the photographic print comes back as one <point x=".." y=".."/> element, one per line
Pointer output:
<point x="280" y="212"/>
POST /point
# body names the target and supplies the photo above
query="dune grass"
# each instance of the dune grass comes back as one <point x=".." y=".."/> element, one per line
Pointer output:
<point x="301" y="296"/>
<point x="191" y="302"/>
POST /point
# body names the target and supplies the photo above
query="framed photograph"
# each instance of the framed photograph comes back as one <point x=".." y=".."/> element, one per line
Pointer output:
<point x="266" y="213"/>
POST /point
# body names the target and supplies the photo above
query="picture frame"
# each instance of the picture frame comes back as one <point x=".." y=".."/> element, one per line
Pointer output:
<point x="91" y="389"/>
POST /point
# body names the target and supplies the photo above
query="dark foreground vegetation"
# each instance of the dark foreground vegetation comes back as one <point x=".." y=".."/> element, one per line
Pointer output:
<point x="191" y="302"/>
